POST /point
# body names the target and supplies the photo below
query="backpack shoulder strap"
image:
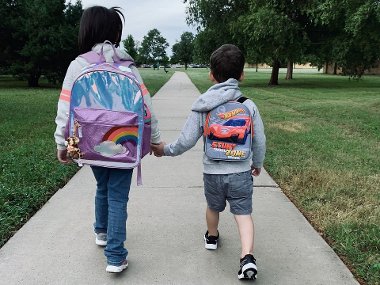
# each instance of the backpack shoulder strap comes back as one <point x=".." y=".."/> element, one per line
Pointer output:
<point x="241" y="99"/>
<point x="127" y="62"/>
<point x="92" y="57"/>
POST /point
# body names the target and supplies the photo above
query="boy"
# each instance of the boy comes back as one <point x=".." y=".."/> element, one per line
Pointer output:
<point x="225" y="180"/>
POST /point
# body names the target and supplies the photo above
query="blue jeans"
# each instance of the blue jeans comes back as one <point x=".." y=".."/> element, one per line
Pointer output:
<point x="112" y="194"/>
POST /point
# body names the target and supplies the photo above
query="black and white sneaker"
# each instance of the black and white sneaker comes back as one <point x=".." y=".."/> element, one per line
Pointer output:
<point x="211" y="242"/>
<point x="248" y="268"/>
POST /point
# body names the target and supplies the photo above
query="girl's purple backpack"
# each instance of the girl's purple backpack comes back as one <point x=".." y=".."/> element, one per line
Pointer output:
<point x="109" y="124"/>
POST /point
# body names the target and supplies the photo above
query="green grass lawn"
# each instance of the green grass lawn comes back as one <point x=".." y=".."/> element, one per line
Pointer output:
<point x="323" y="136"/>
<point x="323" y="140"/>
<point x="154" y="78"/>
<point x="30" y="173"/>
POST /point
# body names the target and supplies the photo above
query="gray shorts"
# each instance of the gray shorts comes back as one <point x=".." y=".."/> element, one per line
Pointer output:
<point x="236" y="188"/>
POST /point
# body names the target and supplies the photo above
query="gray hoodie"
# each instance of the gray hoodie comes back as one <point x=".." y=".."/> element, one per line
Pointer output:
<point x="193" y="129"/>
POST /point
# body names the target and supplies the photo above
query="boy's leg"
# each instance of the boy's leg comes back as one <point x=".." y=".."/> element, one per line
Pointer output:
<point x="212" y="219"/>
<point x="212" y="235"/>
<point x="118" y="195"/>
<point x="214" y="188"/>
<point x="246" y="231"/>
<point x="240" y="199"/>
<point x="248" y="268"/>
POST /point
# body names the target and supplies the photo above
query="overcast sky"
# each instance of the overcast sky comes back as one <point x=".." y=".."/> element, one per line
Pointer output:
<point x="168" y="16"/>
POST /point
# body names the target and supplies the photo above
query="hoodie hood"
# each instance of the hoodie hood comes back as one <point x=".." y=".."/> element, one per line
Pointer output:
<point x="216" y="95"/>
<point x="109" y="51"/>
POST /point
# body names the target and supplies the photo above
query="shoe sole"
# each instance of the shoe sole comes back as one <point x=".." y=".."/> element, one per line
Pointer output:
<point x="100" y="242"/>
<point x="249" y="271"/>
<point x="210" y="245"/>
<point x="116" y="269"/>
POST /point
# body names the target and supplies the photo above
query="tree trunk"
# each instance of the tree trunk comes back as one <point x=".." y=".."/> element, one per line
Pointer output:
<point x="33" y="79"/>
<point x="257" y="67"/>
<point x="275" y="71"/>
<point x="335" y="68"/>
<point x="289" y="71"/>
<point x="185" y="65"/>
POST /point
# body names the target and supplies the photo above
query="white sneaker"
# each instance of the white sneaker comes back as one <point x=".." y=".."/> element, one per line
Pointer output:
<point x="117" y="269"/>
<point x="101" y="239"/>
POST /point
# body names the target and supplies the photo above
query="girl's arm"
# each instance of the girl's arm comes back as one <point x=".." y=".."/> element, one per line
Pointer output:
<point x="64" y="105"/>
<point x="155" y="136"/>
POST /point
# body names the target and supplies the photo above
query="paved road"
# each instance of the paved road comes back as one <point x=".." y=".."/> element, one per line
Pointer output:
<point x="165" y="227"/>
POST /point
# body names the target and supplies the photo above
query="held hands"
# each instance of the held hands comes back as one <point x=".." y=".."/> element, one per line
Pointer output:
<point x="62" y="156"/>
<point x="255" y="171"/>
<point x="158" y="149"/>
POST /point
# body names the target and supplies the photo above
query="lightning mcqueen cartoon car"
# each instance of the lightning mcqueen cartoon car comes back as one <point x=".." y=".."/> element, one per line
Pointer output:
<point x="234" y="130"/>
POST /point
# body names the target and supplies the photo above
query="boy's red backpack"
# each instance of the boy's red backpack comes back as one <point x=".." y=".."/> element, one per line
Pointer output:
<point x="228" y="132"/>
<point x="109" y="124"/>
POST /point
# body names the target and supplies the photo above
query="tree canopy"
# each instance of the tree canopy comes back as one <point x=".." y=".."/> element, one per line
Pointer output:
<point x="281" y="32"/>
<point x="213" y="19"/>
<point x="130" y="46"/>
<point x="349" y="34"/>
<point x="40" y="37"/>
<point x="153" y="48"/>
<point x="183" y="50"/>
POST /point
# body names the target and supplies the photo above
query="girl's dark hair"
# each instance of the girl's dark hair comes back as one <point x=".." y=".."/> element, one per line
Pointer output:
<point x="227" y="62"/>
<point x="99" y="24"/>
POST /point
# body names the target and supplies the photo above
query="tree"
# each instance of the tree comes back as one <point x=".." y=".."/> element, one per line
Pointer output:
<point x="275" y="32"/>
<point x="266" y="31"/>
<point x="183" y="50"/>
<point x="42" y="38"/>
<point x="66" y="42"/>
<point x="9" y="11"/>
<point x="351" y="34"/>
<point x="281" y="32"/>
<point x="130" y="46"/>
<point x="211" y="17"/>
<point x="153" y="48"/>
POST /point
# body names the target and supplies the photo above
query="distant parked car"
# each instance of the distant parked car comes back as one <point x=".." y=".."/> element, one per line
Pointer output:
<point x="198" y="65"/>
<point x="177" y="66"/>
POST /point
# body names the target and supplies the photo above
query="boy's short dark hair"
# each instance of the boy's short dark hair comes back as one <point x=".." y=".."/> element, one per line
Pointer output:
<point x="227" y="62"/>
<point x="99" y="24"/>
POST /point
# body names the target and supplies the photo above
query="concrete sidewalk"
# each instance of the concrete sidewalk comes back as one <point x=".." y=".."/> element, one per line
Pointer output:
<point x="166" y="224"/>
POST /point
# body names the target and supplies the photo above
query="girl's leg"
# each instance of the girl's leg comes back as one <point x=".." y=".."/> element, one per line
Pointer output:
<point x="246" y="231"/>
<point x="119" y="184"/>
<point x="212" y="219"/>
<point x="101" y="199"/>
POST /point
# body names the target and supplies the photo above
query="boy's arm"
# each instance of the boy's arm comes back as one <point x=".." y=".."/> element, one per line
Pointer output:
<point x="188" y="137"/>
<point x="258" y="143"/>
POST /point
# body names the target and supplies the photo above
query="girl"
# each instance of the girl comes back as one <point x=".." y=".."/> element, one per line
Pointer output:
<point x="99" y="24"/>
